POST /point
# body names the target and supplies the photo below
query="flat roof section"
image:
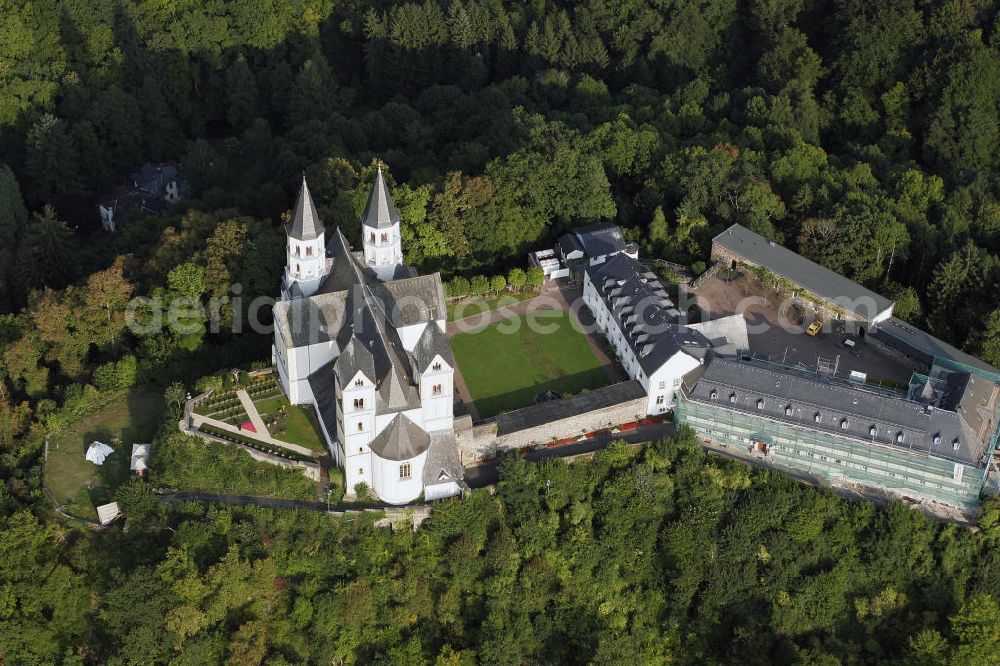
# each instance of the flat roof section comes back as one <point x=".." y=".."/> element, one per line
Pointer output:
<point x="581" y="403"/>
<point x="807" y="274"/>
<point x="927" y="345"/>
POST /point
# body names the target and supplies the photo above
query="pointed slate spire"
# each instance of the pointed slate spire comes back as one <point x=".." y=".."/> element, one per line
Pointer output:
<point x="306" y="224"/>
<point x="380" y="213"/>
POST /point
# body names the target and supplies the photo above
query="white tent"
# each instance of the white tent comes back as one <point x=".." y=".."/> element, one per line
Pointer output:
<point x="98" y="451"/>
<point x="140" y="454"/>
<point x="108" y="512"/>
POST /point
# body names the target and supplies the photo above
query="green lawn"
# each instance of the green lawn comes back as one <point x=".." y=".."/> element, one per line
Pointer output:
<point x="298" y="426"/>
<point x="504" y="370"/>
<point x="80" y="485"/>
<point x="469" y="307"/>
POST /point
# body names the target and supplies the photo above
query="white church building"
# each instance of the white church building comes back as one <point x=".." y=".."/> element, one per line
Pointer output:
<point x="361" y="337"/>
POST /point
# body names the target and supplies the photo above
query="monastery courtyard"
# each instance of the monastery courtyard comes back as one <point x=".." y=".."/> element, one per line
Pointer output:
<point x="780" y="335"/>
<point x="507" y="357"/>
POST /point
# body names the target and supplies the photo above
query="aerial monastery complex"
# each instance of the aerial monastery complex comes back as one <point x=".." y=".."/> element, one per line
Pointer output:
<point x="361" y="337"/>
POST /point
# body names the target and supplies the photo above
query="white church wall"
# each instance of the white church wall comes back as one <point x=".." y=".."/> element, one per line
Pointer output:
<point x="387" y="483"/>
<point x="438" y="491"/>
<point x="410" y="335"/>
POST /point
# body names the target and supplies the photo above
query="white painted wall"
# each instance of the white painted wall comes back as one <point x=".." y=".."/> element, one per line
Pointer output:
<point x="662" y="385"/>
<point x="387" y="484"/>
<point x="437" y="408"/>
<point x="410" y="335"/>
<point x="382" y="256"/>
<point x="441" y="490"/>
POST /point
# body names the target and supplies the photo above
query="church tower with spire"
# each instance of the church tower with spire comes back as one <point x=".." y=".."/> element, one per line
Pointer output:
<point x="306" y="263"/>
<point x="380" y="232"/>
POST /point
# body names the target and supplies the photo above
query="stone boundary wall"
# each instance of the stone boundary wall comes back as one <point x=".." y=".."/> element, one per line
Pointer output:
<point x="482" y="442"/>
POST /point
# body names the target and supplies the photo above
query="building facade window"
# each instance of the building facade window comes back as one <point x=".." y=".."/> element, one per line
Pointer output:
<point x="373" y="237"/>
<point x="385" y="238"/>
<point x="436" y="389"/>
<point x="359" y="382"/>
<point x="309" y="251"/>
<point x="404" y="471"/>
<point x="659" y="400"/>
<point x="361" y="426"/>
<point x="359" y="403"/>
<point x="436" y="366"/>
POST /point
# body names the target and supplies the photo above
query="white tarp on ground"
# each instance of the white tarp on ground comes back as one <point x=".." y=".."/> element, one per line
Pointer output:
<point x="98" y="451"/>
<point x="728" y="335"/>
<point x="140" y="455"/>
<point x="107" y="512"/>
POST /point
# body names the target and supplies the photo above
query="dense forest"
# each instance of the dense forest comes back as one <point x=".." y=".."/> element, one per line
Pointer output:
<point x="863" y="134"/>
<point x="638" y="557"/>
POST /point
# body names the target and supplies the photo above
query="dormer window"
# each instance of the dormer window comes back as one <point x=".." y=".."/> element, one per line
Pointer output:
<point x="937" y="440"/>
<point x="899" y="437"/>
<point x="732" y="397"/>
<point x="713" y="395"/>
<point x="843" y="424"/>
<point x="760" y="404"/>
<point x="788" y="410"/>
<point x="871" y="431"/>
<point x="955" y="444"/>
<point x="817" y="417"/>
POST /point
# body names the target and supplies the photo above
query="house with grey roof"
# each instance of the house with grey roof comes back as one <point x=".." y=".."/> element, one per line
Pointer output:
<point x="827" y="290"/>
<point x="594" y="244"/>
<point x="361" y="338"/>
<point x="649" y="335"/>
<point x="149" y="191"/>
<point x="931" y="443"/>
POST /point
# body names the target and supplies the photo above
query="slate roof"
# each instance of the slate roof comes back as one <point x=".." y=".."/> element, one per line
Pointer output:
<point x="443" y="464"/>
<point x="307" y="321"/>
<point x="354" y="358"/>
<point x="402" y="439"/>
<point x="380" y="212"/>
<point x="845" y="409"/>
<point x="305" y="224"/>
<point x="411" y="300"/>
<point x="644" y="313"/>
<point x="823" y="282"/>
<point x="594" y="241"/>
<point x="924" y="346"/>
<point x="154" y="178"/>
<point x="433" y="342"/>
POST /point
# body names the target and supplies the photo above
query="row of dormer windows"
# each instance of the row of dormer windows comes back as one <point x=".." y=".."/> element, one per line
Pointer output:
<point x="844" y="423"/>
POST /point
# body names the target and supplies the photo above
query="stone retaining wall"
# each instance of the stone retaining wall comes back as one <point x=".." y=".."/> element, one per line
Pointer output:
<point x="482" y="441"/>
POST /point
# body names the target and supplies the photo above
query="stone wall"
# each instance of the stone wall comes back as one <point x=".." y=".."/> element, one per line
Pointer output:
<point x="483" y="442"/>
